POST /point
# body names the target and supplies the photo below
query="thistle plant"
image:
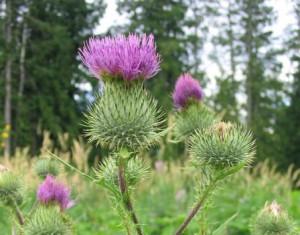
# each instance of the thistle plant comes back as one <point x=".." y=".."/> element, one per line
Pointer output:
<point x="218" y="151"/>
<point x="47" y="214"/>
<point x="272" y="220"/>
<point x="125" y="118"/>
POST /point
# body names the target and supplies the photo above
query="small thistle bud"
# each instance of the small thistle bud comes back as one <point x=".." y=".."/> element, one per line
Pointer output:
<point x="136" y="170"/>
<point x="222" y="145"/>
<point x="46" y="166"/>
<point x="124" y="116"/>
<point x="195" y="117"/>
<point x="47" y="220"/>
<point x="3" y="168"/>
<point x="10" y="187"/>
<point x="52" y="191"/>
<point x="186" y="89"/>
<point x="272" y="219"/>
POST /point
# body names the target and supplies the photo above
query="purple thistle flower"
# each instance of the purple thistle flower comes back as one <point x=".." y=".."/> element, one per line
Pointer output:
<point x="51" y="190"/>
<point x="131" y="57"/>
<point x="186" y="88"/>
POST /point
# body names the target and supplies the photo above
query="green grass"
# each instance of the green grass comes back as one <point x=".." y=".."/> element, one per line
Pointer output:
<point x="160" y="213"/>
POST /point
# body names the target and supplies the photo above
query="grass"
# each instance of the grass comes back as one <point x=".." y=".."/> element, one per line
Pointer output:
<point x="164" y="200"/>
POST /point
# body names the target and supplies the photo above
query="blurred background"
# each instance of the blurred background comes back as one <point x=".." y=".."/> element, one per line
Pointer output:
<point x="245" y="54"/>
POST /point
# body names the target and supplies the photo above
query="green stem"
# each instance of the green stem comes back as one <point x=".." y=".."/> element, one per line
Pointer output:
<point x="196" y="208"/>
<point x="18" y="212"/>
<point x="125" y="195"/>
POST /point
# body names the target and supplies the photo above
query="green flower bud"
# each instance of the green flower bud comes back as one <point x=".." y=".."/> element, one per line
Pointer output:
<point x="222" y="145"/>
<point x="194" y="117"/>
<point x="47" y="220"/>
<point x="3" y="168"/>
<point x="136" y="170"/>
<point x="125" y="115"/>
<point x="272" y="220"/>
<point x="10" y="188"/>
<point x="45" y="166"/>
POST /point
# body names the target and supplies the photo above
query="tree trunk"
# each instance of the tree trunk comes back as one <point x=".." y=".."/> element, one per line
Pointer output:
<point x="8" y="64"/>
<point x="22" y="75"/>
<point x="249" y="50"/>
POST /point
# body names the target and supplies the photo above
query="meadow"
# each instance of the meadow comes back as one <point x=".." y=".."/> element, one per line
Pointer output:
<point x="165" y="198"/>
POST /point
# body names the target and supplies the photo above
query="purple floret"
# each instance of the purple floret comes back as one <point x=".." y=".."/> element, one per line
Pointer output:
<point x="51" y="190"/>
<point x="186" y="88"/>
<point x="131" y="57"/>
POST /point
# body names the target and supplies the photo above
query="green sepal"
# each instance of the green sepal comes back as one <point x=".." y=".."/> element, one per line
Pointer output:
<point x="10" y="189"/>
<point x="196" y="116"/>
<point x="272" y="220"/>
<point x="46" y="165"/>
<point x="47" y="220"/>
<point x="223" y="146"/>
<point x="125" y="115"/>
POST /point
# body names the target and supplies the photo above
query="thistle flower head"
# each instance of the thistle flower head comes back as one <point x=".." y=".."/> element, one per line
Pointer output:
<point x="136" y="171"/>
<point x="124" y="116"/>
<point x="186" y="89"/>
<point x="46" y="166"/>
<point x="130" y="58"/>
<point x="192" y="118"/>
<point x="223" y="145"/>
<point x="10" y="187"/>
<point x="272" y="219"/>
<point x="52" y="191"/>
<point x="3" y="168"/>
<point x="47" y="220"/>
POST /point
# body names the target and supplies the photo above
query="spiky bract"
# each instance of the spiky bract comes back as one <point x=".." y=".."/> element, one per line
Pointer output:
<point x="196" y="116"/>
<point x="222" y="145"/>
<point x="46" y="221"/>
<point x="125" y="115"/>
<point x="10" y="188"/>
<point x="272" y="220"/>
<point x="46" y="166"/>
<point x="136" y="170"/>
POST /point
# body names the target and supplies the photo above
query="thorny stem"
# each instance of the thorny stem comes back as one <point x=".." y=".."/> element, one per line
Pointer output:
<point x="33" y="208"/>
<point x="196" y="208"/>
<point x="18" y="212"/>
<point x="124" y="192"/>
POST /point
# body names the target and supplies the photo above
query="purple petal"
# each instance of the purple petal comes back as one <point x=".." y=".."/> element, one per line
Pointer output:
<point x="186" y="88"/>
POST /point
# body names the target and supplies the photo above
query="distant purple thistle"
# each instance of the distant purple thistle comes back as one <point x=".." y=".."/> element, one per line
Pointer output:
<point x="186" y="88"/>
<point x="51" y="190"/>
<point x="131" y="57"/>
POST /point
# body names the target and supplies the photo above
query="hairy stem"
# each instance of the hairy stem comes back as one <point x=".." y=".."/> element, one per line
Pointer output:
<point x="125" y="195"/>
<point x="196" y="208"/>
<point x="18" y="213"/>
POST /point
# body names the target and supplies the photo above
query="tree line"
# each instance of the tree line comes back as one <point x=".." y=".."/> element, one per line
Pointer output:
<point x="41" y="73"/>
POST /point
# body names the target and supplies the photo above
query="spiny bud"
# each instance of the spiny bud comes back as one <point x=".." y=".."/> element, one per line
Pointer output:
<point x="136" y="170"/>
<point x="272" y="219"/>
<point x="222" y="145"/>
<point x="10" y="187"/>
<point x="46" y="166"/>
<point x="125" y="115"/>
<point x="47" y="220"/>
<point x="195" y="117"/>
<point x="3" y="168"/>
